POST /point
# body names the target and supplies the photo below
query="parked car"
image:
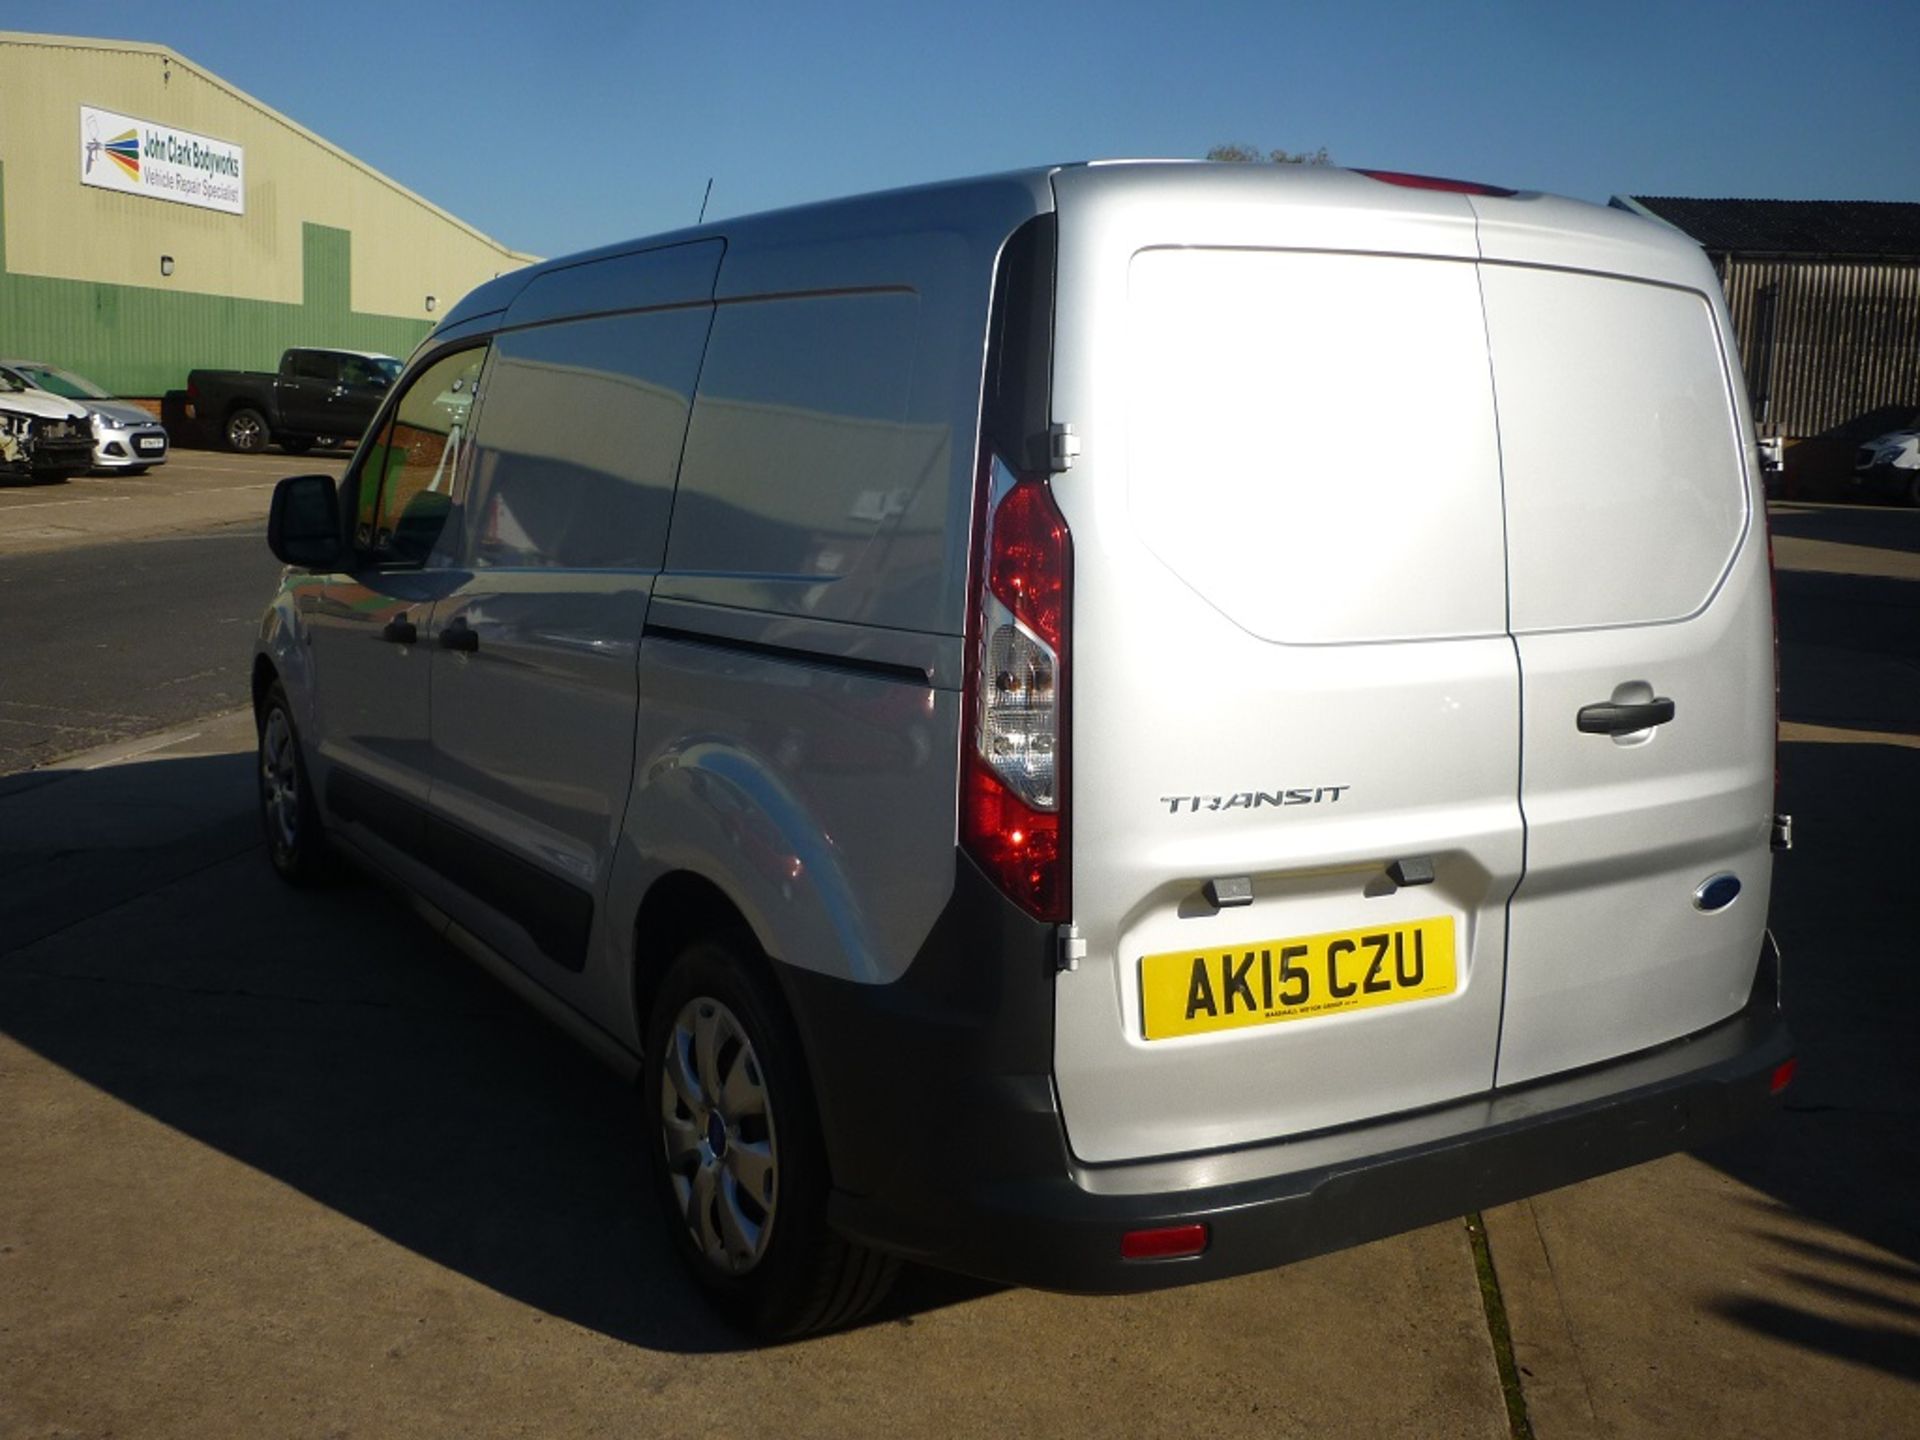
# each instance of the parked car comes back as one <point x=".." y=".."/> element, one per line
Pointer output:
<point x="1889" y="466"/>
<point x="315" y="395"/>
<point x="948" y="690"/>
<point x="42" y="436"/>
<point x="125" y="436"/>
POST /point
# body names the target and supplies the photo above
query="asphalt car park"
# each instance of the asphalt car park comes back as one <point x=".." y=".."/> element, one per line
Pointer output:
<point x="280" y="1164"/>
<point x="196" y="490"/>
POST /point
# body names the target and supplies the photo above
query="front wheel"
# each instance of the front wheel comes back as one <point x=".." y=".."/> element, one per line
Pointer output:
<point x="737" y="1154"/>
<point x="289" y="819"/>
<point x="247" y="431"/>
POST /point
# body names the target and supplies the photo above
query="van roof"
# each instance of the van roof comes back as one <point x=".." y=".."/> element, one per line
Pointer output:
<point x="1528" y="226"/>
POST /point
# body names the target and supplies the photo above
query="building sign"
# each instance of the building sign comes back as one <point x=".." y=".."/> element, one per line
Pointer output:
<point x="140" y="157"/>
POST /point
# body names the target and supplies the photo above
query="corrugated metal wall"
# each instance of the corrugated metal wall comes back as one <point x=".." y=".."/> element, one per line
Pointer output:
<point x="1829" y="347"/>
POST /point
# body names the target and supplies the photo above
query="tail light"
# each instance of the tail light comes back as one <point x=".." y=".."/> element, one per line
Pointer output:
<point x="1014" y="776"/>
<point x="1781" y="836"/>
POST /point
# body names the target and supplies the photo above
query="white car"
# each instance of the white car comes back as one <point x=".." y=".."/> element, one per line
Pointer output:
<point x="42" y="437"/>
<point x="125" y="437"/>
<point x="1890" y="465"/>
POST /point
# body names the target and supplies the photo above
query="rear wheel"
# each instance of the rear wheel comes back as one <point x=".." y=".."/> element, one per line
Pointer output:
<point x="1913" y="490"/>
<point x="247" y="431"/>
<point x="737" y="1154"/>
<point x="289" y="819"/>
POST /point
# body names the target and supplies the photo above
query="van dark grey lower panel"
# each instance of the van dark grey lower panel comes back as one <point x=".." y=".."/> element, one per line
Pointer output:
<point x="968" y="1169"/>
<point x="555" y="912"/>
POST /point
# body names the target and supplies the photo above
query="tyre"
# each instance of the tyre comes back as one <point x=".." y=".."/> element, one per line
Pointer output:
<point x="296" y="445"/>
<point x="736" y="1151"/>
<point x="289" y="819"/>
<point x="1913" y="490"/>
<point x="247" y="431"/>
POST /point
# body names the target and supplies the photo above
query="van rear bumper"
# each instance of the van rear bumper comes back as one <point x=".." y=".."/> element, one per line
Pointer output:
<point x="969" y="1170"/>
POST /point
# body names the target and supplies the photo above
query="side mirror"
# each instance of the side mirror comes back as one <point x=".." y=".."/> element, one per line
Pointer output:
<point x="303" y="523"/>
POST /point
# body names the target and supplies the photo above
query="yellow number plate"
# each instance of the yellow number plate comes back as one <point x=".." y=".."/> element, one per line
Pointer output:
<point x="1189" y="992"/>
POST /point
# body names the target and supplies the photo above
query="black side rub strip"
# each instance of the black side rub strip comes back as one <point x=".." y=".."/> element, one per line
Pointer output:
<point x="555" y="912"/>
<point x="1612" y="719"/>
<point x="852" y="664"/>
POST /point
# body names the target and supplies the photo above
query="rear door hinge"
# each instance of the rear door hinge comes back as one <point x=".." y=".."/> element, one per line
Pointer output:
<point x="1073" y="948"/>
<point x="1063" y="447"/>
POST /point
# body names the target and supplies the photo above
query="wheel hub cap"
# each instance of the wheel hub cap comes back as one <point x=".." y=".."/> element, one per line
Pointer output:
<point x="718" y="1136"/>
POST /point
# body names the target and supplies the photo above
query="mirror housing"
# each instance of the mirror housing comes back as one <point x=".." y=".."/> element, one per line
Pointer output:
<point x="303" y="523"/>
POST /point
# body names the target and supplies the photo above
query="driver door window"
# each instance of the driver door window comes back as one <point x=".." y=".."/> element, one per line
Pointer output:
<point x="409" y="472"/>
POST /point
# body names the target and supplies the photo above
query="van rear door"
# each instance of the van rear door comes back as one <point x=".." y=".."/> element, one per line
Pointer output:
<point x="1638" y="575"/>
<point x="1294" y="744"/>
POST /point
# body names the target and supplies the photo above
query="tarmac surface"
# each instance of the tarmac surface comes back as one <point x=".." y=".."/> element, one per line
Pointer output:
<point x="281" y="1163"/>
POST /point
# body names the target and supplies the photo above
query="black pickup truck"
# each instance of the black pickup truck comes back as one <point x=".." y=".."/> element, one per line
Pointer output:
<point x="316" y="395"/>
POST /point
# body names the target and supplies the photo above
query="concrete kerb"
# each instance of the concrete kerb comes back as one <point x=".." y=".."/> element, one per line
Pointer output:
<point x="219" y="734"/>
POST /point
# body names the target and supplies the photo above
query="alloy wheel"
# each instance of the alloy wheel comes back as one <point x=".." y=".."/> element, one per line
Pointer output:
<point x="280" y="780"/>
<point x="717" y="1127"/>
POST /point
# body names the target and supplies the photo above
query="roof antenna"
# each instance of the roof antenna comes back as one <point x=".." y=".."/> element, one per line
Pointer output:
<point x="703" y="202"/>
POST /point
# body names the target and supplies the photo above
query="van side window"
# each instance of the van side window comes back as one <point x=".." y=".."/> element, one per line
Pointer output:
<point x="801" y="451"/>
<point x="575" y="454"/>
<point x="407" y="475"/>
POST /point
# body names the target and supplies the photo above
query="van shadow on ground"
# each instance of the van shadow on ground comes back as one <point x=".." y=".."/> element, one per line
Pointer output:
<point x="1846" y="910"/>
<point x="1876" y="526"/>
<point x="330" y="1040"/>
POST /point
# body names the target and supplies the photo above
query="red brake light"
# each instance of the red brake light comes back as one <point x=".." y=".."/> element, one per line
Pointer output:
<point x="1029" y="561"/>
<point x="1013" y="780"/>
<point x="1018" y="846"/>
<point x="1435" y="182"/>
<point x="1170" y="1242"/>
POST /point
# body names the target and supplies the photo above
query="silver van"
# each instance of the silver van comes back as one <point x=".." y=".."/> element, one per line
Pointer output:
<point x="1099" y="728"/>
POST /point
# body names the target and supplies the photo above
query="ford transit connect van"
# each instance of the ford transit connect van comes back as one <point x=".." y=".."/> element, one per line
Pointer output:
<point x="1099" y="728"/>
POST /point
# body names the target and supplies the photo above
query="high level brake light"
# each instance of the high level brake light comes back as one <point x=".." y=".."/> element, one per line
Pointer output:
<point x="1013" y="788"/>
<point x="1435" y="182"/>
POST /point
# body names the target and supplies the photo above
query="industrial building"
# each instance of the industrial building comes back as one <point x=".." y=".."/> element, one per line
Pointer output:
<point x="1825" y="297"/>
<point x="155" y="219"/>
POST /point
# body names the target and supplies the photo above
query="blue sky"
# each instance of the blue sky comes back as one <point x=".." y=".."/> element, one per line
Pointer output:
<point x="571" y="123"/>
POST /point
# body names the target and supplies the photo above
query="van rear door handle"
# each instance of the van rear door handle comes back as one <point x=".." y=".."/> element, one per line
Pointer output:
<point x="460" y="636"/>
<point x="1610" y="718"/>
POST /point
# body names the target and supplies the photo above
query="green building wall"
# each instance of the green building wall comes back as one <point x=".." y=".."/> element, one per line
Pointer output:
<point x="140" y="342"/>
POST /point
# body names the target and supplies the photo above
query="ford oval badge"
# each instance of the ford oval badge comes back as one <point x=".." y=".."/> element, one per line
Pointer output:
<point x="1717" y="893"/>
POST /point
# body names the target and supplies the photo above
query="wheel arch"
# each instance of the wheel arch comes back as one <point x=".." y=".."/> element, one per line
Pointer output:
<point x="265" y="673"/>
<point x="680" y="907"/>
